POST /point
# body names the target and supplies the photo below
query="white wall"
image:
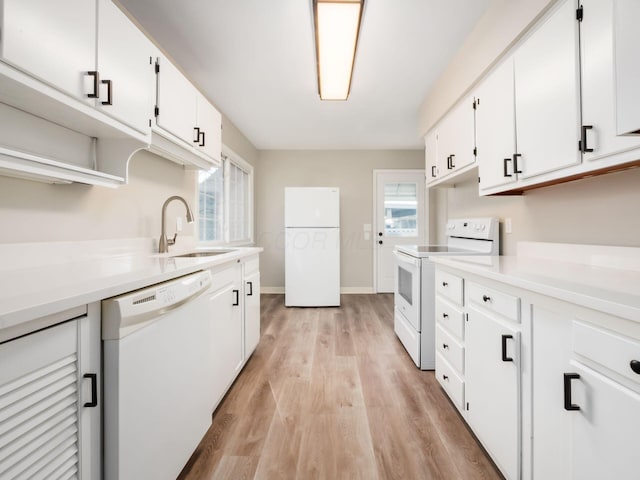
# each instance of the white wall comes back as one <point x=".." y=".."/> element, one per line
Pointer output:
<point x="352" y="171"/>
<point x="37" y="212"/>
<point x="600" y="210"/>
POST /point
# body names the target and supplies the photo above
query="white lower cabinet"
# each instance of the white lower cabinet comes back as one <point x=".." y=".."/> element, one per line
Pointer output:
<point x="50" y="400"/>
<point x="251" y="274"/>
<point x="492" y="390"/>
<point x="226" y="328"/>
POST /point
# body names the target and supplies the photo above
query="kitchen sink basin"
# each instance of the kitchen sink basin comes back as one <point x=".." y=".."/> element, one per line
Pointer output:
<point x="204" y="253"/>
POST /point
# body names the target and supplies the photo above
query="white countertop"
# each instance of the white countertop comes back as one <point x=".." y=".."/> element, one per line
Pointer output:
<point x="38" y="290"/>
<point x="615" y="291"/>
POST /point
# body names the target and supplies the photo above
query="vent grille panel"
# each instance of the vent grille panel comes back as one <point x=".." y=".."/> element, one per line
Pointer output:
<point x="39" y="423"/>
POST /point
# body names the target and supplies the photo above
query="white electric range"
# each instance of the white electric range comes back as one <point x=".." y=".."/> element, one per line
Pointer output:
<point x="414" y="295"/>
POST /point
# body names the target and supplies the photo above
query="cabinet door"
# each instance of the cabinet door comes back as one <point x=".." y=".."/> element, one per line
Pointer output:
<point x="124" y="60"/>
<point x="226" y="338"/>
<point x="547" y="96"/>
<point x="44" y="430"/>
<point x="627" y="38"/>
<point x="251" y="313"/>
<point x="176" y="103"/>
<point x="54" y="43"/>
<point x="209" y="121"/>
<point x="551" y="352"/>
<point x="492" y="388"/>
<point x="605" y="429"/>
<point x="431" y="155"/>
<point x="495" y="127"/>
<point x="598" y="81"/>
<point x="462" y="134"/>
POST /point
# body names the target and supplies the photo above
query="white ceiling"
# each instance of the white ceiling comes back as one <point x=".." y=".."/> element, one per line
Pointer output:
<point x="255" y="60"/>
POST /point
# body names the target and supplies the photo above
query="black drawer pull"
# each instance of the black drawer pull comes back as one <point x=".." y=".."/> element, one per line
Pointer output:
<point x="444" y="284"/>
<point x="582" y="144"/>
<point x="445" y="315"/>
<point x="444" y="377"/>
<point x="109" y="84"/>
<point x="515" y="163"/>
<point x="568" y="405"/>
<point x="433" y="171"/>
<point x="485" y="298"/>
<point x="236" y="302"/>
<point x="445" y="346"/>
<point x="505" y="358"/>
<point x="96" y="81"/>
<point x="201" y="138"/>
<point x="197" y="129"/>
<point x="504" y="167"/>
<point x="635" y="366"/>
<point x="453" y="165"/>
<point x="94" y="389"/>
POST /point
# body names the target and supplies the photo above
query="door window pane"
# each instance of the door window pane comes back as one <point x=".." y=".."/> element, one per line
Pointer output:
<point x="400" y="210"/>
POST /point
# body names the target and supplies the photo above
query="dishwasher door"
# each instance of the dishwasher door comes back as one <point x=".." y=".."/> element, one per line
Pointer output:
<point x="157" y="403"/>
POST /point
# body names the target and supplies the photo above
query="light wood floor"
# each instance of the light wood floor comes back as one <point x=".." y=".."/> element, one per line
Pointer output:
<point x="330" y="394"/>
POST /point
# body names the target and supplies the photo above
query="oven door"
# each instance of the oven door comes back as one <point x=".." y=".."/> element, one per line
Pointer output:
<point x="407" y="288"/>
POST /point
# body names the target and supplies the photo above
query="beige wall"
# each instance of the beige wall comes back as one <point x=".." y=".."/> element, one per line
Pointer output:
<point x="352" y="172"/>
<point x="598" y="210"/>
<point x="498" y="29"/>
<point x="236" y="141"/>
<point x="35" y="212"/>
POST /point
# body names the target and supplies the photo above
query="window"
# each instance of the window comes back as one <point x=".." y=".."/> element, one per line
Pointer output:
<point x="225" y="197"/>
<point x="400" y="210"/>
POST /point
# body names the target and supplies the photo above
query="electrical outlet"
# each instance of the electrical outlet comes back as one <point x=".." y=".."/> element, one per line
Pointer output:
<point x="508" y="227"/>
<point x="367" y="235"/>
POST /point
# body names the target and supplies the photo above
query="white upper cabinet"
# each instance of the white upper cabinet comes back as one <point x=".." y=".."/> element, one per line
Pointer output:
<point x="627" y="67"/>
<point x="176" y="102"/>
<point x="547" y="95"/>
<point x="54" y="44"/>
<point x="450" y="146"/>
<point x="125" y="68"/>
<point x="597" y="49"/>
<point x="496" y="128"/>
<point x="208" y="128"/>
<point x="186" y="118"/>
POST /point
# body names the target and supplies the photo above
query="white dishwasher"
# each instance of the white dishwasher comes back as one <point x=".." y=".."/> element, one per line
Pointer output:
<point x="157" y="357"/>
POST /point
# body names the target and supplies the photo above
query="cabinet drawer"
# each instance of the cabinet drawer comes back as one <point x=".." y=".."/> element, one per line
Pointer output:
<point x="610" y="350"/>
<point x="506" y="305"/>
<point x="450" y="317"/>
<point x="225" y="275"/>
<point x="449" y="286"/>
<point x="450" y="349"/>
<point x="450" y="381"/>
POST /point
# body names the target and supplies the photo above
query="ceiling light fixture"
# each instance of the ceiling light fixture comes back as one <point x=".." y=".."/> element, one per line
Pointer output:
<point x="337" y="24"/>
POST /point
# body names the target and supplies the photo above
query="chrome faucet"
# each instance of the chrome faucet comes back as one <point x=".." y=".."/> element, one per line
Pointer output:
<point x="163" y="245"/>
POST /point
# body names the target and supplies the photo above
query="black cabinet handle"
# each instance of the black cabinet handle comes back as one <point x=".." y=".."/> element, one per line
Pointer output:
<point x="379" y="234"/>
<point x="445" y="346"/>
<point x="250" y="289"/>
<point x="109" y="84"/>
<point x="433" y="171"/>
<point x="568" y="405"/>
<point x="449" y="162"/>
<point x="486" y="298"/>
<point x="96" y="81"/>
<point x="236" y="302"/>
<point x="444" y="377"/>
<point x="635" y="366"/>
<point x="515" y="163"/>
<point x="444" y="284"/>
<point x="197" y="130"/>
<point x="504" y="167"/>
<point x="505" y="358"/>
<point x="94" y="389"/>
<point x="201" y="138"/>
<point x="445" y="315"/>
<point x="380" y="242"/>
<point x="453" y="165"/>
<point x="582" y="144"/>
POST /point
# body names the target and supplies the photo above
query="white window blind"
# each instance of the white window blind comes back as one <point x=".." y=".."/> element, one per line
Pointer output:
<point x="238" y="197"/>
<point x="211" y="213"/>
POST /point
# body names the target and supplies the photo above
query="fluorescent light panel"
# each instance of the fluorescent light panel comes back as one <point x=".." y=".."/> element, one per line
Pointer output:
<point x="337" y="26"/>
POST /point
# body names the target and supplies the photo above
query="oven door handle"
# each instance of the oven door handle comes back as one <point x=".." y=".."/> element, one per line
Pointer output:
<point x="407" y="259"/>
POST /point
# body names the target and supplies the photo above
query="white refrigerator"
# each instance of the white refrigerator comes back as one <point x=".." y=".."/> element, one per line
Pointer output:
<point x="312" y="246"/>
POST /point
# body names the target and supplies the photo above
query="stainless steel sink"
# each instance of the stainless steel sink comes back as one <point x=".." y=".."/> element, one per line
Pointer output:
<point x="204" y="253"/>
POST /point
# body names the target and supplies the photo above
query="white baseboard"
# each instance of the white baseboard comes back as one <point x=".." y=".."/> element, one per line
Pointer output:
<point x="344" y="290"/>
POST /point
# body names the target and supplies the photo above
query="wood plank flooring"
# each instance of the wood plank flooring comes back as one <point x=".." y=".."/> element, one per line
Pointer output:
<point x="331" y="394"/>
